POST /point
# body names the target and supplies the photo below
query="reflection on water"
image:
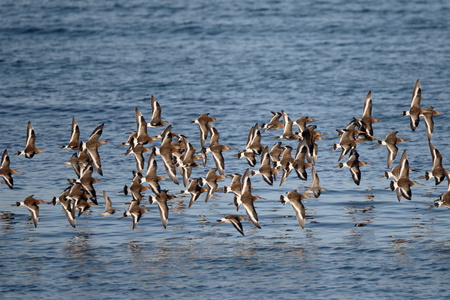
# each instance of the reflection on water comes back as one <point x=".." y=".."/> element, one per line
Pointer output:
<point x="6" y="219"/>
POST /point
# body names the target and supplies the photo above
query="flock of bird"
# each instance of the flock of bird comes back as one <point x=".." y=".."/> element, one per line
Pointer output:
<point x="179" y="157"/>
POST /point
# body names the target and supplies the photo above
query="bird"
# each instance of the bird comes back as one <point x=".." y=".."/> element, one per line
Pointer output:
<point x="274" y="122"/>
<point x="233" y="220"/>
<point x="253" y="147"/>
<point x="165" y="150"/>
<point x="74" y="142"/>
<point x="83" y="205"/>
<point x="403" y="185"/>
<point x="236" y="188"/>
<point x="216" y="149"/>
<point x="428" y="114"/>
<point x="211" y="180"/>
<point x="444" y="199"/>
<point x="87" y="181"/>
<point x="187" y="162"/>
<point x="161" y="200"/>
<point x="203" y="120"/>
<point x="109" y="210"/>
<point x="438" y="172"/>
<point x="302" y="121"/>
<point x="266" y="170"/>
<point x="92" y="145"/>
<point x="156" y="115"/>
<point x="74" y="163"/>
<point x="68" y="207"/>
<point x="141" y="132"/>
<point x="287" y="128"/>
<point x="5" y="171"/>
<point x="32" y="205"/>
<point x="275" y="153"/>
<point x="151" y="177"/>
<point x="299" y="164"/>
<point x="247" y="199"/>
<point x="390" y="142"/>
<point x="136" y="188"/>
<point x="135" y="211"/>
<point x="347" y="141"/>
<point x="286" y="163"/>
<point x="295" y="198"/>
<point x="138" y="150"/>
<point x="365" y="123"/>
<point x="195" y="190"/>
<point x="354" y="164"/>
<point x="315" y="188"/>
<point x="414" y="111"/>
<point x="30" y="148"/>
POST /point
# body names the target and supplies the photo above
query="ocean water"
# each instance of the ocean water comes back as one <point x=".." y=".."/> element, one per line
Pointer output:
<point x="238" y="61"/>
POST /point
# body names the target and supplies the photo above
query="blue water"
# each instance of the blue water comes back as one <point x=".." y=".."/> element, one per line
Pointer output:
<point x="238" y="61"/>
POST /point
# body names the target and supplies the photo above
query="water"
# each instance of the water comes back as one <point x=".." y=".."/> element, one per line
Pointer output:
<point x="238" y="61"/>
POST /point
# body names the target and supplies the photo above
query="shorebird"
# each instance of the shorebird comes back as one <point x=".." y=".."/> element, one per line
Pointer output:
<point x="87" y="181"/>
<point x="287" y="128"/>
<point x="301" y="123"/>
<point x="274" y="122"/>
<point x="109" y="210"/>
<point x="142" y="136"/>
<point x="211" y="180"/>
<point x="403" y="185"/>
<point x="234" y="220"/>
<point x="347" y="141"/>
<point x="68" y="208"/>
<point x="216" y="149"/>
<point x="156" y="115"/>
<point x="165" y="150"/>
<point x="135" y="211"/>
<point x="74" y="142"/>
<point x="365" y="123"/>
<point x="415" y="110"/>
<point x="30" y="148"/>
<point x="354" y="164"/>
<point x="92" y="145"/>
<point x="67" y="205"/>
<point x="266" y="170"/>
<point x="236" y="188"/>
<point x="83" y="206"/>
<point x="83" y="156"/>
<point x="203" y="120"/>
<point x="32" y="205"/>
<point x="275" y="153"/>
<point x="195" y="190"/>
<point x="428" y="114"/>
<point x="138" y="150"/>
<point x="438" y="172"/>
<point x="253" y="146"/>
<point x="247" y="199"/>
<point x="308" y="138"/>
<point x="315" y="188"/>
<point x="74" y="163"/>
<point x="299" y="164"/>
<point x="162" y="205"/>
<point x="77" y="193"/>
<point x="286" y="163"/>
<point x="444" y="200"/>
<point x="390" y="142"/>
<point x="151" y="176"/>
<point x="295" y="198"/>
<point x="136" y="188"/>
<point x="187" y="162"/>
<point x="5" y="171"/>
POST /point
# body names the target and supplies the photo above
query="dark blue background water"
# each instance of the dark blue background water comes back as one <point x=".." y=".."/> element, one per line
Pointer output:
<point x="238" y="61"/>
